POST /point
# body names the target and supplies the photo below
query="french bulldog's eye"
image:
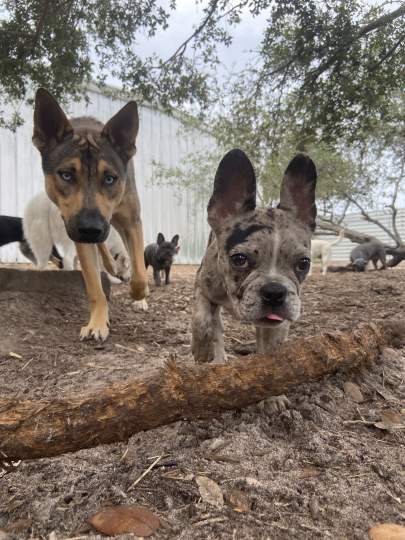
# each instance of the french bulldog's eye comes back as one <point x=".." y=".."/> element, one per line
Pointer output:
<point x="67" y="176"/>
<point x="240" y="260"/>
<point x="303" y="264"/>
<point x="109" y="179"/>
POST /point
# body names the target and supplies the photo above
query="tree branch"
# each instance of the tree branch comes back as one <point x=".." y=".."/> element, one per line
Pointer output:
<point x="347" y="42"/>
<point x="49" y="427"/>
<point x="368" y="218"/>
<point x="392" y="206"/>
<point x="40" y="27"/>
<point x="389" y="53"/>
<point x="181" y="49"/>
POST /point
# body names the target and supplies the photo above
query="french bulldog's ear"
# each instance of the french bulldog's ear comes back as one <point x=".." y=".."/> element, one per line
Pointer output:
<point x="51" y="125"/>
<point x="234" y="188"/>
<point x="160" y="238"/>
<point x="121" y="130"/>
<point x="175" y="239"/>
<point x="297" y="194"/>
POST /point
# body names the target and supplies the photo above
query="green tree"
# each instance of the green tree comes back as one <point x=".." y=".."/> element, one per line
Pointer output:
<point x="339" y="61"/>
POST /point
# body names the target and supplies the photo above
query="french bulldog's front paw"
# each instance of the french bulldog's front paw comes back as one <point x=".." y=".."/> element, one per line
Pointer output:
<point x="95" y="330"/>
<point x="140" y="305"/>
<point x="275" y="404"/>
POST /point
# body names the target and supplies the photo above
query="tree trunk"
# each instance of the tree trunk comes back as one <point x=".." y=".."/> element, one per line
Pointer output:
<point x="354" y="236"/>
<point x="44" y="428"/>
<point x="398" y="253"/>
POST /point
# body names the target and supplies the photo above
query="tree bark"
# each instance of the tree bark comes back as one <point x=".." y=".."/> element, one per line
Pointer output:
<point x="398" y="252"/>
<point x="398" y="255"/>
<point x="44" y="428"/>
<point x="351" y="234"/>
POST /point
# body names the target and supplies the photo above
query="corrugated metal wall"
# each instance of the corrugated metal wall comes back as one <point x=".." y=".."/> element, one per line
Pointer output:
<point x="356" y="222"/>
<point x="162" y="139"/>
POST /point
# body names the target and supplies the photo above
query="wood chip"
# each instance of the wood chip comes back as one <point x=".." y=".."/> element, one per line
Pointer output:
<point x="125" y="519"/>
<point x="210" y="491"/>
<point x="15" y="355"/>
<point x="387" y="531"/>
<point x="353" y="391"/>
<point x="309" y="472"/>
<point x="178" y="475"/>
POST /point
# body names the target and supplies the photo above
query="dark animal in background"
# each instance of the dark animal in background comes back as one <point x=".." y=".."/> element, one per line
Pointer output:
<point x="11" y="230"/>
<point x="160" y="257"/>
<point x="373" y="250"/>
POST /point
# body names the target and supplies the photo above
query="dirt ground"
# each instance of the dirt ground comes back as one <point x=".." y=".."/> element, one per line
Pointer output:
<point x="305" y="473"/>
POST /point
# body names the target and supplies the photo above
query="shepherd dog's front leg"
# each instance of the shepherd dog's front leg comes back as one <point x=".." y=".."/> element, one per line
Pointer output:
<point x="131" y="232"/>
<point x="99" y="322"/>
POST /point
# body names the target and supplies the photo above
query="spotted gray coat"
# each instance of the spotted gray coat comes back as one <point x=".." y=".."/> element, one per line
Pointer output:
<point x="256" y="258"/>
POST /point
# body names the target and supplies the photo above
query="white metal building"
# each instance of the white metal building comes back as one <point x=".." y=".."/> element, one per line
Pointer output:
<point x="356" y="222"/>
<point x="162" y="139"/>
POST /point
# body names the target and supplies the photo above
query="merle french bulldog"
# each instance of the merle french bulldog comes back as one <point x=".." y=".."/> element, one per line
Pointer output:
<point x="256" y="258"/>
<point x="160" y="256"/>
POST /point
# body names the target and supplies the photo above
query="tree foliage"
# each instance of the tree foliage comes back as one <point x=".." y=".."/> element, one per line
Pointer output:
<point x="339" y="61"/>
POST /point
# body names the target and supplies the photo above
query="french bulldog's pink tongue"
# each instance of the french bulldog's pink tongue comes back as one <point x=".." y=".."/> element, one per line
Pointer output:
<point x="274" y="317"/>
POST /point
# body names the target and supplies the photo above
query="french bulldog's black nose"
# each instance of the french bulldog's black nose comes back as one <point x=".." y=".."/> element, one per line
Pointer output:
<point x="273" y="294"/>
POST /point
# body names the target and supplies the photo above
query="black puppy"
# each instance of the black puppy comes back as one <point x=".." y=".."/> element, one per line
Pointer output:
<point x="160" y="256"/>
<point x="11" y="230"/>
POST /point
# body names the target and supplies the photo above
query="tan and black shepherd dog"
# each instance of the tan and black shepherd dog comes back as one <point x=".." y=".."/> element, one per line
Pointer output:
<point x="90" y="176"/>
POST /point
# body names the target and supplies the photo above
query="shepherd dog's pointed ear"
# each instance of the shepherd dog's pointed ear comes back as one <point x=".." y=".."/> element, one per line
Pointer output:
<point x="234" y="188"/>
<point x="51" y="125"/>
<point x="160" y="239"/>
<point x="297" y="193"/>
<point x="121" y="130"/>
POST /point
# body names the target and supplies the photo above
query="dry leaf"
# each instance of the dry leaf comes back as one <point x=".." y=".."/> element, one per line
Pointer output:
<point x="210" y="491"/>
<point x="239" y="501"/>
<point x="15" y="355"/>
<point x="390" y="420"/>
<point x="353" y="391"/>
<point x="387" y="531"/>
<point x="134" y="519"/>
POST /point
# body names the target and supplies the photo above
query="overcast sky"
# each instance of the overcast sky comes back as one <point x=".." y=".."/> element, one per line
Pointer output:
<point x="186" y="17"/>
<point x="246" y="37"/>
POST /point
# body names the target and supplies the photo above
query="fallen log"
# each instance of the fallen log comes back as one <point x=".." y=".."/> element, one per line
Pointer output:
<point x="44" y="428"/>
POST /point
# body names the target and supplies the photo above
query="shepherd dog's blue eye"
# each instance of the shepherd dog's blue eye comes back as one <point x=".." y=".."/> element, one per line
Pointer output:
<point x="67" y="176"/>
<point x="109" y="179"/>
